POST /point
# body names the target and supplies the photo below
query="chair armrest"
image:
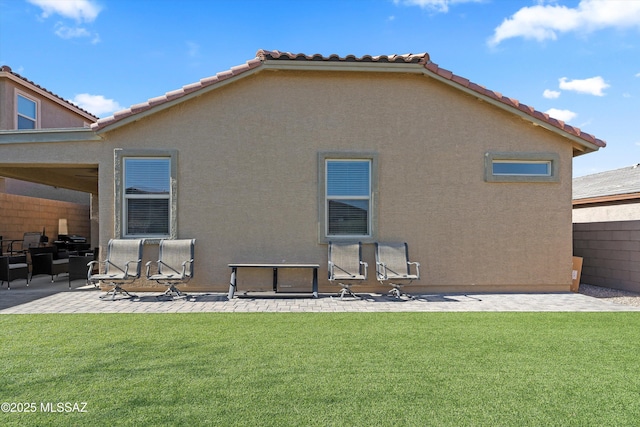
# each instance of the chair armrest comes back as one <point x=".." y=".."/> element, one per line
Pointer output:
<point x="148" y="265"/>
<point x="126" y="268"/>
<point x="366" y="267"/>
<point x="10" y="247"/>
<point x="381" y="270"/>
<point x="184" y="268"/>
<point x="417" y="267"/>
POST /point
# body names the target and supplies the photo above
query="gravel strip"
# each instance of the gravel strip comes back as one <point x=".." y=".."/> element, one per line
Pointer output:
<point x="614" y="295"/>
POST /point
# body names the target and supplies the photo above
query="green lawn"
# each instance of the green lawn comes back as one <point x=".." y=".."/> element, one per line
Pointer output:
<point x="322" y="369"/>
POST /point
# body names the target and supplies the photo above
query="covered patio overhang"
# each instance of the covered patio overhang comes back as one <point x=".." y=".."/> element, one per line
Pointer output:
<point x="34" y="156"/>
<point x="83" y="177"/>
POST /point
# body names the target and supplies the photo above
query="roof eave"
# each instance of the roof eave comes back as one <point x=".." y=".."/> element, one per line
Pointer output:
<point x="580" y="145"/>
<point x="605" y="199"/>
<point x="47" y="135"/>
<point x="146" y="109"/>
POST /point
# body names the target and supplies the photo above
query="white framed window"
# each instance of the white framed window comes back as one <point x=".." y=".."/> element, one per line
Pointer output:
<point x="521" y="167"/>
<point x="348" y="184"/>
<point x="146" y="193"/>
<point x="26" y="112"/>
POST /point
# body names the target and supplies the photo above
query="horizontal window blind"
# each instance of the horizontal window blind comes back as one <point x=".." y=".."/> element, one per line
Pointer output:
<point x="147" y="176"/>
<point x="147" y="196"/>
<point x="348" y="178"/>
<point x="348" y="195"/>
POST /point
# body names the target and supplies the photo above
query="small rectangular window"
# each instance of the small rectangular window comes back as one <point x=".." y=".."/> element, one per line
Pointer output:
<point x="27" y="113"/>
<point x="521" y="167"/>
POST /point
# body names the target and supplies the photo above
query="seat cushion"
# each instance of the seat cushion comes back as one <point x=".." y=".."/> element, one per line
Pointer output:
<point x="18" y="265"/>
<point x="60" y="261"/>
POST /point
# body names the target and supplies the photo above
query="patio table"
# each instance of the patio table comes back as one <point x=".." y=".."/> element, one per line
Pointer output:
<point x="274" y="267"/>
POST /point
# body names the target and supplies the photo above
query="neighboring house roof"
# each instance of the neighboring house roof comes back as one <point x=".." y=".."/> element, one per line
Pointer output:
<point x="6" y="71"/>
<point x="408" y="63"/>
<point x="614" y="185"/>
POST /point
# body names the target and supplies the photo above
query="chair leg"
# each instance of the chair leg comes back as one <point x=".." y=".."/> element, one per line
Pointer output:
<point x="173" y="292"/>
<point x="396" y="292"/>
<point x="117" y="289"/>
<point x="346" y="290"/>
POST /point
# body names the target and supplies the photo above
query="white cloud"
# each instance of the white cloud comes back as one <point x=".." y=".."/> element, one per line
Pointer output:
<point x="66" y="33"/>
<point x="544" y="22"/>
<point x="80" y="10"/>
<point x="435" y="5"/>
<point x="96" y="104"/>
<point x="638" y="75"/>
<point x="551" y="94"/>
<point x="592" y="86"/>
<point x="193" y="49"/>
<point x="564" y="115"/>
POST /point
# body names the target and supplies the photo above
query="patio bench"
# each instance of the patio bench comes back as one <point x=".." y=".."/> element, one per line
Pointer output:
<point x="274" y="267"/>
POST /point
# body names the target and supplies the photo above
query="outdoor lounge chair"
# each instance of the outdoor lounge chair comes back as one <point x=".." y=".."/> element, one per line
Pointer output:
<point x="49" y="260"/>
<point x="174" y="266"/>
<point x="394" y="268"/>
<point x="122" y="266"/>
<point x="13" y="267"/>
<point x="346" y="267"/>
<point x="30" y="239"/>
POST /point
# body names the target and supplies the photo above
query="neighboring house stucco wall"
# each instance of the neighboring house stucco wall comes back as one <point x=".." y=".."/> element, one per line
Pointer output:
<point x="627" y="211"/>
<point x="51" y="114"/>
<point x="248" y="190"/>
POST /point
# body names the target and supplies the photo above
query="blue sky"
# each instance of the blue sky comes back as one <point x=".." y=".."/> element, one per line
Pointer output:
<point x="577" y="60"/>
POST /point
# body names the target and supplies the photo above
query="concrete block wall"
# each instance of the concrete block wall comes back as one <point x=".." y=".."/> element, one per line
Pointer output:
<point x="20" y="214"/>
<point x="611" y="253"/>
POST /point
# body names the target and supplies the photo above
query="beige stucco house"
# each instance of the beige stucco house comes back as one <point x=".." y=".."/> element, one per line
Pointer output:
<point x="270" y="160"/>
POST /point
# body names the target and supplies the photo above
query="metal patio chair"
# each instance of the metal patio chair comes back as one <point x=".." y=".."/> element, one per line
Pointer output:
<point x="122" y="266"/>
<point x="174" y="265"/>
<point x="345" y="266"/>
<point x="394" y="268"/>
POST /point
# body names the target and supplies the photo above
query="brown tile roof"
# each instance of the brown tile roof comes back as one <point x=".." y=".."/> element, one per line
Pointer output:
<point x="421" y="59"/>
<point x="7" y="69"/>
